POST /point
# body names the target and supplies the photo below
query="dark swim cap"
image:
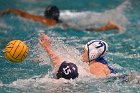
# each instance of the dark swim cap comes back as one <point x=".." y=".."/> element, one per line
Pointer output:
<point x="52" y="12"/>
<point x="67" y="70"/>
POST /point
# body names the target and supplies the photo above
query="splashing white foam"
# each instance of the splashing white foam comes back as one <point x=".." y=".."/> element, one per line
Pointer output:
<point x="88" y="18"/>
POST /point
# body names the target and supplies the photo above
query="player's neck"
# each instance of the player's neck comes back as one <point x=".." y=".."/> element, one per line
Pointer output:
<point x="92" y="62"/>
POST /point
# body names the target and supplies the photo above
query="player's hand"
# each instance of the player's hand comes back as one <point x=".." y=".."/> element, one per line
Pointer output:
<point x="44" y="41"/>
<point x="4" y="12"/>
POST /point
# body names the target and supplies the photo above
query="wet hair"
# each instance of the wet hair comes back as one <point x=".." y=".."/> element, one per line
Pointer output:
<point x="52" y="12"/>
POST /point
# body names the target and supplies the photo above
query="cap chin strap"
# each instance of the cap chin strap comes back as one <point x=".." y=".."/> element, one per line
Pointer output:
<point x="88" y="55"/>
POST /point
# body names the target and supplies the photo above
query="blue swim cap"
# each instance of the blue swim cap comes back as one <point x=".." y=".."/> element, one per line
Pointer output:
<point x="67" y="70"/>
<point x="52" y="12"/>
<point x="96" y="49"/>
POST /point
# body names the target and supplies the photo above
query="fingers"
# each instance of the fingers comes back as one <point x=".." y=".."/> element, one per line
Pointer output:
<point x="39" y="40"/>
<point x="41" y="33"/>
<point x="44" y="36"/>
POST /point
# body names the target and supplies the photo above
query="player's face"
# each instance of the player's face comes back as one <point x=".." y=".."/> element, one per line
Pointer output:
<point x="85" y="55"/>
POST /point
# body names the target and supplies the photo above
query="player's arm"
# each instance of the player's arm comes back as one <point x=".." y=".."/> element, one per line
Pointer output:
<point x="46" y="44"/>
<point x="17" y="12"/>
<point x="24" y="15"/>
<point x="109" y="26"/>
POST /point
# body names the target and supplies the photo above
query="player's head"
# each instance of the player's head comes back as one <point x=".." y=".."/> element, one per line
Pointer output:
<point x="94" y="49"/>
<point x="52" y="11"/>
<point x="67" y="70"/>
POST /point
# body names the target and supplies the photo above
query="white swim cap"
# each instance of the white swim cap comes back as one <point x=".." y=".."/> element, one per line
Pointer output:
<point x="96" y="49"/>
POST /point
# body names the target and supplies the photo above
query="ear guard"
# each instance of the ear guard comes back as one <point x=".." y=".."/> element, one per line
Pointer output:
<point x="93" y="54"/>
<point x="96" y="49"/>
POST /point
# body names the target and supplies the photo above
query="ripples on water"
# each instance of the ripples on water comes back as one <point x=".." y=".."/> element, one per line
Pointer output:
<point x="32" y="77"/>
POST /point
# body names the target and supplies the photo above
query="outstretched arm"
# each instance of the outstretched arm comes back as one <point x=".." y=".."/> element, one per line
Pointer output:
<point x="109" y="26"/>
<point x="28" y="16"/>
<point x="46" y="44"/>
<point x="18" y="12"/>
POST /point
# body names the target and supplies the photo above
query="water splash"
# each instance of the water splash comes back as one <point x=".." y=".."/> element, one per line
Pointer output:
<point x="89" y="18"/>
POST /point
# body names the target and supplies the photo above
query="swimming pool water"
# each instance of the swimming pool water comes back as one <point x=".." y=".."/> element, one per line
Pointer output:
<point x="35" y="75"/>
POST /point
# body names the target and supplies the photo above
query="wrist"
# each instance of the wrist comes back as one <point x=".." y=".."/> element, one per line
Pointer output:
<point x="47" y="48"/>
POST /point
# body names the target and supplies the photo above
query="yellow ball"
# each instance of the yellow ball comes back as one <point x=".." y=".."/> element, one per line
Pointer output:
<point x="16" y="51"/>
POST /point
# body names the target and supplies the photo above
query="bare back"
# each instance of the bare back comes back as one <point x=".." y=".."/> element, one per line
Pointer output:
<point x="98" y="69"/>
